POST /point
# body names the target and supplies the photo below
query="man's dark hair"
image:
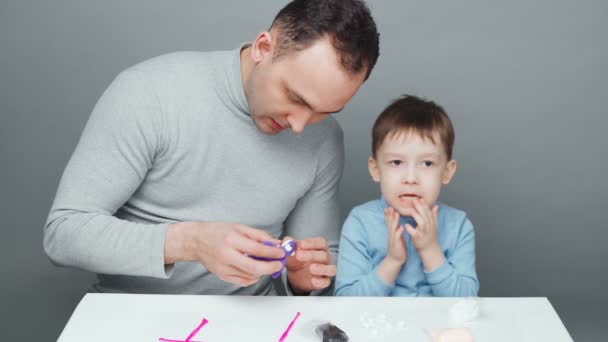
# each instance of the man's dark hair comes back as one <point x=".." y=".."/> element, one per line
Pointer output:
<point x="348" y="23"/>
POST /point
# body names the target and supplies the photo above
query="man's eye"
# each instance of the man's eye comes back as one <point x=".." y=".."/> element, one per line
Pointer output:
<point x="295" y="100"/>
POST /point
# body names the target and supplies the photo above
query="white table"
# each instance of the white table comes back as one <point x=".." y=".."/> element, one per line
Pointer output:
<point x="127" y="317"/>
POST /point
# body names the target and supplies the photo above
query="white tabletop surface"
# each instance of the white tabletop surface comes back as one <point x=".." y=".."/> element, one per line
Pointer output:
<point x="131" y="317"/>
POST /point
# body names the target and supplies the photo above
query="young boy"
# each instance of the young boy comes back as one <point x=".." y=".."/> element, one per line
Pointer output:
<point x="407" y="243"/>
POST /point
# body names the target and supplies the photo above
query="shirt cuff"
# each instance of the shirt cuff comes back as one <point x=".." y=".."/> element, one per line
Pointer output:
<point x="157" y="257"/>
<point x="440" y="274"/>
<point x="377" y="283"/>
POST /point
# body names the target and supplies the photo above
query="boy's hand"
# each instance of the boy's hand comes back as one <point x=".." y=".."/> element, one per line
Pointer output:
<point x="391" y="265"/>
<point x="396" y="242"/>
<point x="424" y="236"/>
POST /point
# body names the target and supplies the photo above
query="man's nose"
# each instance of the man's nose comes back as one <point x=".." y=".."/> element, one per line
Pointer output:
<point x="297" y="121"/>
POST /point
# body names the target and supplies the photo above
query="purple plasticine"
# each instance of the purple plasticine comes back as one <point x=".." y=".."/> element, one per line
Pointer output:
<point x="288" y="252"/>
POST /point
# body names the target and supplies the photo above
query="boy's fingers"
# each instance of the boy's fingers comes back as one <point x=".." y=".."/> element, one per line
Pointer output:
<point x="392" y="218"/>
<point x="435" y="213"/>
<point x="388" y="218"/>
<point x="423" y="210"/>
<point x="419" y="220"/>
<point x="410" y="230"/>
<point x="394" y="236"/>
<point x="408" y="211"/>
<point x="400" y="230"/>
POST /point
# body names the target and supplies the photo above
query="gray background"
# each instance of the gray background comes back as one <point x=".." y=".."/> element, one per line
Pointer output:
<point x="524" y="82"/>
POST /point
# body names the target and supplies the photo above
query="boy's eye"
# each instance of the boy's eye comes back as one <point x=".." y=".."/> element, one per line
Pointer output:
<point x="396" y="162"/>
<point x="427" y="163"/>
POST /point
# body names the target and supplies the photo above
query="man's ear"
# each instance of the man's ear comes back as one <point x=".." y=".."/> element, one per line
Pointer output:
<point x="372" y="165"/>
<point x="262" y="46"/>
<point x="448" y="172"/>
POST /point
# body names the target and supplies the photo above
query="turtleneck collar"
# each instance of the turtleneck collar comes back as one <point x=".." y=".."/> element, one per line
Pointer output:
<point x="236" y="92"/>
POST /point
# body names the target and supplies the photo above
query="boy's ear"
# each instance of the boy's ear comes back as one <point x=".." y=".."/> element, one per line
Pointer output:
<point x="262" y="46"/>
<point x="372" y="165"/>
<point x="448" y="172"/>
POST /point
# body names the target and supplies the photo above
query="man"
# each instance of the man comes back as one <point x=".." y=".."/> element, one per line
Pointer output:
<point x="190" y="160"/>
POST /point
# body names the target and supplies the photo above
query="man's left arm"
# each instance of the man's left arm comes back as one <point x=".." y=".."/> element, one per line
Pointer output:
<point x="315" y="223"/>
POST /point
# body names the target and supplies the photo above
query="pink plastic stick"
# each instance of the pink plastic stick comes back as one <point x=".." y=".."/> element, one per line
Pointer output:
<point x="196" y="330"/>
<point x="188" y="339"/>
<point x="286" y="332"/>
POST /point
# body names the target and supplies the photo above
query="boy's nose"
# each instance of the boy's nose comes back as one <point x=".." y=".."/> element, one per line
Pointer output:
<point x="409" y="177"/>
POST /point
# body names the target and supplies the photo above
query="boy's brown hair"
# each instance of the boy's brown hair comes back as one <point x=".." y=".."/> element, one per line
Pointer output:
<point x="411" y="114"/>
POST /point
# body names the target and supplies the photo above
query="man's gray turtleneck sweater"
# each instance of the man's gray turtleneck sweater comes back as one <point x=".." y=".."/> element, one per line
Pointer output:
<point x="171" y="140"/>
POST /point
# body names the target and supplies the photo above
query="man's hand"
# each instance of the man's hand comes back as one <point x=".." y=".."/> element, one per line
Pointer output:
<point x="223" y="248"/>
<point x="310" y="268"/>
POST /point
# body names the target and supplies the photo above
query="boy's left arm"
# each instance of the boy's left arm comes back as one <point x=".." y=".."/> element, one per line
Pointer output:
<point x="456" y="275"/>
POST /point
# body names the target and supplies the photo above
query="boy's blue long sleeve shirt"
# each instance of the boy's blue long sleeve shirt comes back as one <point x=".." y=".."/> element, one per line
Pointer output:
<point x="363" y="245"/>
